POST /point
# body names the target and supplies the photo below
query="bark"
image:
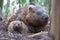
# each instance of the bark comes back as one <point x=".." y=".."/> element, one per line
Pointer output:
<point x="55" y="19"/>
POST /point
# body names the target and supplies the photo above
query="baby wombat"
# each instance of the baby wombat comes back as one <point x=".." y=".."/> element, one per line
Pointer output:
<point x="17" y="26"/>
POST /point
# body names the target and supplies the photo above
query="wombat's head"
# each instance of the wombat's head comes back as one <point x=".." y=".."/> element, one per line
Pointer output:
<point x="15" y="26"/>
<point x="18" y="26"/>
<point x="36" y="16"/>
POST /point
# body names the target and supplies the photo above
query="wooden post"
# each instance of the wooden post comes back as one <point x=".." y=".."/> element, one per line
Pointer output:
<point x="55" y="19"/>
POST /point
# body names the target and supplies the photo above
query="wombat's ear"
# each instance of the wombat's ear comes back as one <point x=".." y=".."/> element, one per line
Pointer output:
<point x="31" y="7"/>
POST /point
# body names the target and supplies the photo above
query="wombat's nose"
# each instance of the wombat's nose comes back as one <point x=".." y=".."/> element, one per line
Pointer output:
<point x="45" y="17"/>
<point x="16" y="28"/>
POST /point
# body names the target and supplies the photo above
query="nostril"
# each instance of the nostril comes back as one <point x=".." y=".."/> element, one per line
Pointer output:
<point x="45" y="18"/>
<point x="16" y="28"/>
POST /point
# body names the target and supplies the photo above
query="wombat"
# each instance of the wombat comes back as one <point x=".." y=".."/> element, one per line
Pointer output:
<point x="17" y="27"/>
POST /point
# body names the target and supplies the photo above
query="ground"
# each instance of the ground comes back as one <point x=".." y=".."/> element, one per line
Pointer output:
<point x="7" y="36"/>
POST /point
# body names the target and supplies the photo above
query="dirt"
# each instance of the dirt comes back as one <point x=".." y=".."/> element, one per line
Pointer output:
<point x="17" y="36"/>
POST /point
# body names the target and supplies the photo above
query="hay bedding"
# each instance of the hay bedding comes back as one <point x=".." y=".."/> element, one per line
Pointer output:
<point x="17" y="36"/>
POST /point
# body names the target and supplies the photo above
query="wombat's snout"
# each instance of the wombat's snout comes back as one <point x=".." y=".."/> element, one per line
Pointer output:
<point x="16" y="27"/>
<point x="45" y="17"/>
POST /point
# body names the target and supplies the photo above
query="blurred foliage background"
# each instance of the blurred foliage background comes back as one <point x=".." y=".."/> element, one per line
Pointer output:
<point x="9" y="7"/>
